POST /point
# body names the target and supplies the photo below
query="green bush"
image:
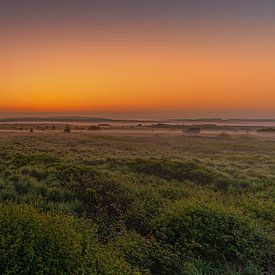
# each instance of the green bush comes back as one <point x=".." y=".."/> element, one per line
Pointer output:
<point x="223" y="184"/>
<point x="31" y="242"/>
<point x="210" y="233"/>
<point x="8" y="195"/>
<point x="201" y="176"/>
<point x="7" y="173"/>
<point x="38" y="173"/>
<point x="20" y="160"/>
<point x="58" y="195"/>
<point x="102" y="196"/>
<point x="199" y="266"/>
<point x="144" y="207"/>
<point x="147" y="255"/>
<point x="170" y="170"/>
<point x="163" y="168"/>
<point x="22" y="187"/>
<point x="136" y="250"/>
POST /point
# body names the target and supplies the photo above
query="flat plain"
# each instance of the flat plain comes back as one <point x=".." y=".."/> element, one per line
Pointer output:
<point x="137" y="201"/>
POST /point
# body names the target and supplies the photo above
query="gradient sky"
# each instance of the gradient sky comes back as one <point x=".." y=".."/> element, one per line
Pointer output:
<point x="204" y="57"/>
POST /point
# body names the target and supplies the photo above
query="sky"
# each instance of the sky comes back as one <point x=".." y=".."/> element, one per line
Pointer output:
<point x="170" y="58"/>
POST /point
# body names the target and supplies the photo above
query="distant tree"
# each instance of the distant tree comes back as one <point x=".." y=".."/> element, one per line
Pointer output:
<point x="67" y="129"/>
<point x="194" y="129"/>
<point x="93" y="127"/>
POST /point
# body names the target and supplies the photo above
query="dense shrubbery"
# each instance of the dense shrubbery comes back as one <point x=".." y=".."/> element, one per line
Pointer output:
<point x="212" y="234"/>
<point x="186" y="171"/>
<point x="163" y="168"/>
<point x="51" y="244"/>
<point x="129" y="214"/>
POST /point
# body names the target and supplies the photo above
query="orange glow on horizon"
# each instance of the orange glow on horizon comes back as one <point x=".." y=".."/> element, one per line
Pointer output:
<point x="137" y="75"/>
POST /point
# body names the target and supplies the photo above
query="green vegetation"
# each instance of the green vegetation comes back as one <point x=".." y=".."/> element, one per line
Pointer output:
<point x="91" y="203"/>
<point x="33" y="242"/>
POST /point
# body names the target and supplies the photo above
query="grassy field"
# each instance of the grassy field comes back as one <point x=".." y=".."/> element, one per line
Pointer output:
<point x="136" y="202"/>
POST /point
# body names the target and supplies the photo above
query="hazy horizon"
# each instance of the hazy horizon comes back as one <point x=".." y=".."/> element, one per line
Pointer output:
<point x="136" y="115"/>
<point x="147" y="58"/>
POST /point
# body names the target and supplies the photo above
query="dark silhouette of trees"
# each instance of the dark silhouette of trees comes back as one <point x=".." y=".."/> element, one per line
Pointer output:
<point x="67" y="129"/>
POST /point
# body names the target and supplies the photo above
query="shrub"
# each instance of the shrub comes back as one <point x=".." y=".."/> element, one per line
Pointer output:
<point x="223" y="184"/>
<point x="162" y="168"/>
<point x="56" y="195"/>
<point x="22" y="187"/>
<point x="101" y="194"/>
<point x="71" y="174"/>
<point x="7" y="173"/>
<point x="172" y="170"/>
<point x="201" y="176"/>
<point x="136" y="250"/>
<point x="210" y="233"/>
<point x="147" y="255"/>
<point x="31" y="242"/>
<point x="38" y="173"/>
<point x="144" y="207"/>
<point x="8" y="195"/>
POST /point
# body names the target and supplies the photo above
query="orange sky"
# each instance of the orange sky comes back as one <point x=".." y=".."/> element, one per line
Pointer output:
<point x="137" y="71"/>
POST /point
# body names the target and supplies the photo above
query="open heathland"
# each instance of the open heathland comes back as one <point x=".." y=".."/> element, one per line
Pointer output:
<point x="99" y="202"/>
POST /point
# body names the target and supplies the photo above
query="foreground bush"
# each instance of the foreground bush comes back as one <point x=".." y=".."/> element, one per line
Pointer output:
<point x="31" y="242"/>
<point x="213" y="234"/>
<point x="147" y="255"/>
